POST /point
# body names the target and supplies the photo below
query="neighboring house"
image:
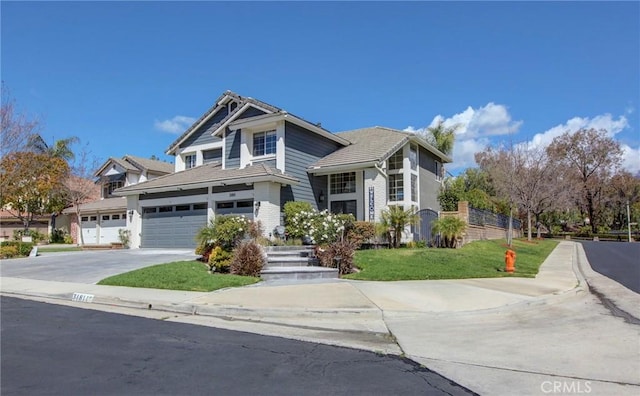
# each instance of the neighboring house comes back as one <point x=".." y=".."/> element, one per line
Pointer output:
<point x="247" y="157"/>
<point x="10" y="223"/>
<point x="101" y="219"/>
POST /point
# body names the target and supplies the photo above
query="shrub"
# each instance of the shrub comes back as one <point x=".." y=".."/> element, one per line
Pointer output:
<point x="450" y="228"/>
<point x="124" y="236"/>
<point x="297" y="216"/>
<point x="8" y="251"/>
<point x="585" y="231"/>
<point x="219" y="259"/>
<point x="68" y="239"/>
<point x="22" y="248"/>
<point x="396" y="219"/>
<point x="327" y="227"/>
<point x="34" y="234"/>
<point x="338" y="254"/>
<point x="57" y="236"/>
<point x="255" y="229"/>
<point x="224" y="231"/>
<point x="360" y="232"/>
<point x="248" y="259"/>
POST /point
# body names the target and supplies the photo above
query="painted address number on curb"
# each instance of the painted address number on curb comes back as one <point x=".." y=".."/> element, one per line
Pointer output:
<point x="82" y="297"/>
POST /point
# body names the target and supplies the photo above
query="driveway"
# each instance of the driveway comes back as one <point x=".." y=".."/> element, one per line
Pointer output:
<point x="89" y="266"/>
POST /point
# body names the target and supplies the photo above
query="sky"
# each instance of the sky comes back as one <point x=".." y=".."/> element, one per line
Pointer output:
<point x="130" y="77"/>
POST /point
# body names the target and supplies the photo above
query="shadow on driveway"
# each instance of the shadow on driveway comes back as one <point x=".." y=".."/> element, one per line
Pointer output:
<point x="89" y="266"/>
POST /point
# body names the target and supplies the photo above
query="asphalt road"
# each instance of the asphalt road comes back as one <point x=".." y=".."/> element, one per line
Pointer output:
<point x="58" y="350"/>
<point x="89" y="266"/>
<point x="619" y="261"/>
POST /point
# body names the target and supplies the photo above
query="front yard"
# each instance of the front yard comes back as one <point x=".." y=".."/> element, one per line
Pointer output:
<point x="179" y="275"/>
<point x="480" y="259"/>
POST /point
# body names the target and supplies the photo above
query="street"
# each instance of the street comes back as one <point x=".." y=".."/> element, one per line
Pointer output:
<point x="619" y="261"/>
<point x="58" y="350"/>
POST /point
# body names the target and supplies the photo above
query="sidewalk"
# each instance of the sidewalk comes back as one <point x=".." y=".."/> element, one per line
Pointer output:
<point x="481" y="333"/>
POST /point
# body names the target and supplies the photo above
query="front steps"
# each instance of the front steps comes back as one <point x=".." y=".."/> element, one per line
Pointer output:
<point x="294" y="263"/>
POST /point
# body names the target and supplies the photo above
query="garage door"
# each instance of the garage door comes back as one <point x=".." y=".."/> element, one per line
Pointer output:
<point x="109" y="226"/>
<point x="172" y="226"/>
<point x="89" y="230"/>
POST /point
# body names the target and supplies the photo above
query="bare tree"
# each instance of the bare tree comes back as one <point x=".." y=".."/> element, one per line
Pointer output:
<point x="80" y="186"/>
<point x="525" y="176"/>
<point x="590" y="157"/>
<point x="16" y="126"/>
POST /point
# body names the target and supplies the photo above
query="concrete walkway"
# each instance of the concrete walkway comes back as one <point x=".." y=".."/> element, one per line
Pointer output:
<point x="498" y="336"/>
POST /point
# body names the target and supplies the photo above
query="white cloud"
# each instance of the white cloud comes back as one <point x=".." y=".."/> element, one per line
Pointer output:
<point x="604" y="121"/>
<point x="476" y="126"/>
<point x="631" y="159"/>
<point x="176" y="125"/>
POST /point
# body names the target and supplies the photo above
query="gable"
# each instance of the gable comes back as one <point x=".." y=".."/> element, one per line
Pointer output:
<point x="204" y="134"/>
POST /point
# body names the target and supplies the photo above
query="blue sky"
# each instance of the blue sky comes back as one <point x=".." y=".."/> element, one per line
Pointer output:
<point x="127" y="77"/>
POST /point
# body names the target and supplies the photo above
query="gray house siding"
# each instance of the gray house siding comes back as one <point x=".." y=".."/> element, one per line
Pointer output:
<point x="303" y="148"/>
<point x="251" y="112"/>
<point x="214" y="155"/>
<point x="232" y="149"/>
<point x="203" y="134"/>
<point x="429" y="186"/>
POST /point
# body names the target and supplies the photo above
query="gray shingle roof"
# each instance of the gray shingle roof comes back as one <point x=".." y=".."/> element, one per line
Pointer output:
<point x="241" y="102"/>
<point x="209" y="174"/>
<point x="373" y="144"/>
<point x="150" y="165"/>
<point x="100" y="205"/>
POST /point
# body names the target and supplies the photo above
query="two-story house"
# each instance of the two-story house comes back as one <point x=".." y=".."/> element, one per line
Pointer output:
<point x="102" y="218"/>
<point x="244" y="156"/>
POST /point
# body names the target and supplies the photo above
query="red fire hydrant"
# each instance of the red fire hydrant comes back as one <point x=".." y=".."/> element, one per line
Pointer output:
<point x="510" y="260"/>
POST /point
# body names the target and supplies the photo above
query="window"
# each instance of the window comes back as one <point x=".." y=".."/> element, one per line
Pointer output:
<point x="396" y="188"/>
<point x="264" y="143"/>
<point x="182" y="208"/>
<point x="439" y="171"/>
<point x="214" y="155"/>
<point x="343" y="183"/>
<point x="93" y="218"/>
<point x="224" y="205"/>
<point x="149" y="210"/>
<point x="345" y="207"/>
<point x="200" y="206"/>
<point x="105" y="217"/>
<point x="109" y="187"/>
<point x="413" y="156"/>
<point x="395" y="161"/>
<point x="414" y="188"/>
<point x="165" y="209"/>
<point x="244" y="204"/>
<point x="116" y="217"/>
<point x="189" y="161"/>
<point x="84" y="218"/>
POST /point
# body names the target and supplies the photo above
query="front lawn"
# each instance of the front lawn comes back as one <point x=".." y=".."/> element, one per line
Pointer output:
<point x="480" y="259"/>
<point x="179" y="275"/>
<point x="55" y="249"/>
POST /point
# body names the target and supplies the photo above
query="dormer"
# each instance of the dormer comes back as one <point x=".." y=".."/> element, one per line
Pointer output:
<point x="121" y="172"/>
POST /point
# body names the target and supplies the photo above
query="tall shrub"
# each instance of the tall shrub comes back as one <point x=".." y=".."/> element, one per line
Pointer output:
<point x="248" y="259"/>
<point x="396" y="219"/>
<point x="450" y="228"/>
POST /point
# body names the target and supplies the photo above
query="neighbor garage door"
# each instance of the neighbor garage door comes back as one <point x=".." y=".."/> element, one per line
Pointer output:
<point x="172" y="226"/>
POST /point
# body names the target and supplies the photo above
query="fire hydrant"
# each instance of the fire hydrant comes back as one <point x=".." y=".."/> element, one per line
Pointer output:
<point x="510" y="261"/>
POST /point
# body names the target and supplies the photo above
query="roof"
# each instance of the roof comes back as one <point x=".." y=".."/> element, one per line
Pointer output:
<point x="119" y="203"/>
<point x="137" y="164"/>
<point x="371" y="146"/>
<point x="8" y="214"/>
<point x="206" y="175"/>
<point x="227" y="95"/>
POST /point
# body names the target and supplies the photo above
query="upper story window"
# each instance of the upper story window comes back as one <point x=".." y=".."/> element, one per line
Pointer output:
<point x="396" y="188"/>
<point x="439" y="171"/>
<point x="343" y="183"/>
<point x="109" y="186"/>
<point x="395" y="161"/>
<point x="413" y="156"/>
<point x="264" y="143"/>
<point x="189" y="161"/>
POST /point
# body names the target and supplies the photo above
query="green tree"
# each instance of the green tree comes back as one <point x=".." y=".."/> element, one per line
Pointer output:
<point x="32" y="184"/>
<point x="395" y="219"/>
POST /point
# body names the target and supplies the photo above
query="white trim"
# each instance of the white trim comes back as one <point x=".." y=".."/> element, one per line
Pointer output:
<point x="201" y="147"/>
<point x="237" y="114"/>
<point x="204" y="120"/>
<point x="280" y="146"/>
<point x="327" y="170"/>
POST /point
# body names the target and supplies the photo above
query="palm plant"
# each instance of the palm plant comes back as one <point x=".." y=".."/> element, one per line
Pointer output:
<point x="395" y="219"/>
<point x="450" y="228"/>
<point x="60" y="148"/>
<point x="442" y="137"/>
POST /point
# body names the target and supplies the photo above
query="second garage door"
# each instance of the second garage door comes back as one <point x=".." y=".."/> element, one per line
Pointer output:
<point x="172" y="226"/>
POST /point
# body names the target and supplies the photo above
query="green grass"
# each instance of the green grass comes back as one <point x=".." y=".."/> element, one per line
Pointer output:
<point x="480" y="259"/>
<point x="43" y="249"/>
<point x="179" y="275"/>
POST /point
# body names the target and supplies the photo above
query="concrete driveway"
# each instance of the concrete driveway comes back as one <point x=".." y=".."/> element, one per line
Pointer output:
<point x="89" y="266"/>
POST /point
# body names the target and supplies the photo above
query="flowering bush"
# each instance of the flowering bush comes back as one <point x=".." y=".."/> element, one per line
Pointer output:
<point x="223" y="231"/>
<point x="322" y="227"/>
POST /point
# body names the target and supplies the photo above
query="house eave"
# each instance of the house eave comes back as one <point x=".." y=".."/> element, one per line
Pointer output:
<point x="325" y="170"/>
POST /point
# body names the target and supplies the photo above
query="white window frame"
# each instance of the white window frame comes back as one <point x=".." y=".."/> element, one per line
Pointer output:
<point x="190" y="160"/>
<point x="266" y="134"/>
<point x="344" y="183"/>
